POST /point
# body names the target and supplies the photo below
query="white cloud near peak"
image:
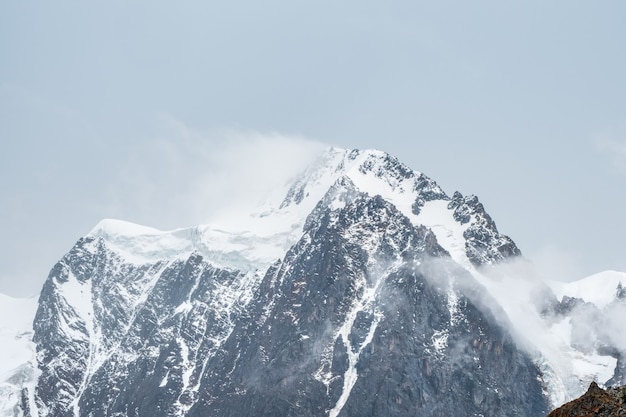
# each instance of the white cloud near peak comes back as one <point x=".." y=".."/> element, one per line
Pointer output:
<point x="614" y="150"/>
<point x="186" y="177"/>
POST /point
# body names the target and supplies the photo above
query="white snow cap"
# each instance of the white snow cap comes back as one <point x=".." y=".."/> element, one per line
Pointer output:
<point x="599" y="289"/>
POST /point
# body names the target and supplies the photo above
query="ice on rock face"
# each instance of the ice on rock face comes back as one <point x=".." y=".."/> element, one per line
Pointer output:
<point x="142" y="244"/>
<point x="115" y="227"/>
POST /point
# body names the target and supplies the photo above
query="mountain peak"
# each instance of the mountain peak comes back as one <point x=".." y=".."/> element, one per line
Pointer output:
<point x="256" y="240"/>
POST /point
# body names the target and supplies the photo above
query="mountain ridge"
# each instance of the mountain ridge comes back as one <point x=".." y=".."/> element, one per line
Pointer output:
<point x="149" y="315"/>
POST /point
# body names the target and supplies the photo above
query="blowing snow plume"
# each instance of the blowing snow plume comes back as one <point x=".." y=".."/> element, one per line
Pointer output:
<point x="185" y="177"/>
<point x="573" y="330"/>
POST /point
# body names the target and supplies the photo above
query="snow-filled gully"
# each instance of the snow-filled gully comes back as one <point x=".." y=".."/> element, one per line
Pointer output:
<point x="365" y="304"/>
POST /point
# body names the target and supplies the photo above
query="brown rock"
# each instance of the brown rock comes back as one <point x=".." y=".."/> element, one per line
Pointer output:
<point x="596" y="402"/>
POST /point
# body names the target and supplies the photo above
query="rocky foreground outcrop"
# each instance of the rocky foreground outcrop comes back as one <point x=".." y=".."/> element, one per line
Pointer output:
<point x="595" y="402"/>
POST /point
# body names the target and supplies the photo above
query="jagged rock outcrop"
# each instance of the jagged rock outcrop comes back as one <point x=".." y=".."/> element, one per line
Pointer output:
<point x="484" y="244"/>
<point x="596" y="402"/>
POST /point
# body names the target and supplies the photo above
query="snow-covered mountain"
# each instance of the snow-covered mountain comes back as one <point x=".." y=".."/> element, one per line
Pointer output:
<point x="359" y="288"/>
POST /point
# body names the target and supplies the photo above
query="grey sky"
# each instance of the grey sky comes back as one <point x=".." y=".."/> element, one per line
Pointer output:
<point x="126" y="109"/>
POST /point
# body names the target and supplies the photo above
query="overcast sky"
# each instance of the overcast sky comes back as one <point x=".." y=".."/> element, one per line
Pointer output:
<point x="144" y="110"/>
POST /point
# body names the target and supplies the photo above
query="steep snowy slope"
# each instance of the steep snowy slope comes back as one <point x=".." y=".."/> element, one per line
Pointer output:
<point x="17" y="352"/>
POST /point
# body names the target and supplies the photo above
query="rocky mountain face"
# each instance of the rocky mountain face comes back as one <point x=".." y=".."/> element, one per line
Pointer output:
<point x="360" y="320"/>
<point x="365" y="290"/>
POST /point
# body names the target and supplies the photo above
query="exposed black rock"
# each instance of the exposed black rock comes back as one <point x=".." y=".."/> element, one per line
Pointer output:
<point x="484" y="244"/>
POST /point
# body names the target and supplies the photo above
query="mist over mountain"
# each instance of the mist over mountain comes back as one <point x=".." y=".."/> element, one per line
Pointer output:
<point x="360" y="288"/>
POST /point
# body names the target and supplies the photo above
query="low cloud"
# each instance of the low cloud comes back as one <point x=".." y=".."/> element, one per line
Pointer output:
<point x="557" y="264"/>
<point x="614" y="150"/>
<point x="57" y="190"/>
